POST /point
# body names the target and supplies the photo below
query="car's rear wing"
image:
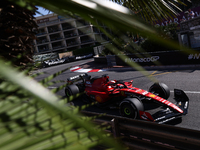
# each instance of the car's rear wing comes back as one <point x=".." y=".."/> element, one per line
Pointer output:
<point x="78" y="78"/>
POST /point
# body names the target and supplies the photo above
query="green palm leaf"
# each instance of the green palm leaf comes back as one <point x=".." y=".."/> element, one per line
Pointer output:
<point x="39" y="121"/>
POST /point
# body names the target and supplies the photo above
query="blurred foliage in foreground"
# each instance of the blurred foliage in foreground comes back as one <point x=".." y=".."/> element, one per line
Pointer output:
<point x="32" y="117"/>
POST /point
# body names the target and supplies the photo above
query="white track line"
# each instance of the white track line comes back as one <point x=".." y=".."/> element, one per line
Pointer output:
<point x="52" y="87"/>
<point x="189" y="92"/>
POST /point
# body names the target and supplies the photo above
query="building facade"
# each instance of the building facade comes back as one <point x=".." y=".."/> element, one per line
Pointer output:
<point x="189" y="34"/>
<point x="61" y="34"/>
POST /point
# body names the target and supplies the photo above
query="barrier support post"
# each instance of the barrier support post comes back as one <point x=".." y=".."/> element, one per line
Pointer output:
<point x="115" y="127"/>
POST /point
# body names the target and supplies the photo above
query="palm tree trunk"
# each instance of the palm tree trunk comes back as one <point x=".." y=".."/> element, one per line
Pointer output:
<point x="16" y="33"/>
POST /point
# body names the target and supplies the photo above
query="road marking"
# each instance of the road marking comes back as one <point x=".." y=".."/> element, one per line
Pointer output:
<point x="153" y="73"/>
<point x="52" y="87"/>
<point x="189" y="92"/>
<point x="161" y="73"/>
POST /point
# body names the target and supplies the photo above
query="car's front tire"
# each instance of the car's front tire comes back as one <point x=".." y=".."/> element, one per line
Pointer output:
<point x="130" y="107"/>
<point x="160" y="89"/>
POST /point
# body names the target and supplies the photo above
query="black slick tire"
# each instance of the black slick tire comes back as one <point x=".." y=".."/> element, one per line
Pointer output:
<point x="130" y="107"/>
<point x="71" y="90"/>
<point x="160" y="89"/>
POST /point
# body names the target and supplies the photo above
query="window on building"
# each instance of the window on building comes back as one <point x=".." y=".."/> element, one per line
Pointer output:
<point x="54" y="28"/>
<point x="57" y="45"/>
<point x="195" y="39"/>
<point x="54" y="37"/>
<point x="43" y="48"/>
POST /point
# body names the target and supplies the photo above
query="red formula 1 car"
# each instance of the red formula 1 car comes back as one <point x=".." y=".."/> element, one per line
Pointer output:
<point x="130" y="100"/>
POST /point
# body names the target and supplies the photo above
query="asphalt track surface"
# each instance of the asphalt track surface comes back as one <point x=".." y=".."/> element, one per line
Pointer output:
<point x="185" y="79"/>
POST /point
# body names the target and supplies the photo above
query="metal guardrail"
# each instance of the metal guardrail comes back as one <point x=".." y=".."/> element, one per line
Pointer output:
<point x="137" y="134"/>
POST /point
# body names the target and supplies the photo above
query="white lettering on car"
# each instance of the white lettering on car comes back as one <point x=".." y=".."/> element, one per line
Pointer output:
<point x="144" y="93"/>
<point x="186" y="105"/>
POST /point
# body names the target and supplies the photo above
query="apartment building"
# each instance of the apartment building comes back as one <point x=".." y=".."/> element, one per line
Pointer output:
<point x="61" y="34"/>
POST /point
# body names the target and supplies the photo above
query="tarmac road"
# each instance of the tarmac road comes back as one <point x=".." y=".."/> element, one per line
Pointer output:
<point x="185" y="78"/>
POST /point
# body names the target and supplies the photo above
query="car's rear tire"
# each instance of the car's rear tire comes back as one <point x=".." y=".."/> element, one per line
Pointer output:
<point x="130" y="107"/>
<point x="160" y="89"/>
<point x="71" y="90"/>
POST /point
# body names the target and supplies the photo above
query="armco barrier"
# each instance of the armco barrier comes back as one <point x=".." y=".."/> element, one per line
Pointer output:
<point x="100" y="60"/>
<point x="138" y="134"/>
<point x="161" y="58"/>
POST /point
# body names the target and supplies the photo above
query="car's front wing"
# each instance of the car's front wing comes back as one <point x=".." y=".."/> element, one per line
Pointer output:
<point x="169" y="114"/>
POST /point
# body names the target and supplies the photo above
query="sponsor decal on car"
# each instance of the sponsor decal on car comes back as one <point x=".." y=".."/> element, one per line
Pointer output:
<point x="166" y="120"/>
<point x="186" y="105"/>
<point x="145" y="92"/>
<point x="139" y="91"/>
<point x="160" y="118"/>
<point x="152" y="95"/>
<point x="75" y="77"/>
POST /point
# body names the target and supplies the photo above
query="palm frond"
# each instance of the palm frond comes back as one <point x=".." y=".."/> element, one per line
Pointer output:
<point x="35" y="119"/>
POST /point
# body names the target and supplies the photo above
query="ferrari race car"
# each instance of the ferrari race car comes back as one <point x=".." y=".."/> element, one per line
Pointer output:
<point x="128" y="99"/>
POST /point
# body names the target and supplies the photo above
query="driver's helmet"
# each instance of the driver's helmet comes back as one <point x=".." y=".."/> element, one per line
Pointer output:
<point x="112" y="82"/>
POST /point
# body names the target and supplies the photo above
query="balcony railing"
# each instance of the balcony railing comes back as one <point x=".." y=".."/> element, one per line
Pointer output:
<point x="69" y="27"/>
<point x="70" y="35"/>
<point x="42" y="50"/>
<point x="86" y="41"/>
<point x="66" y="19"/>
<point x="72" y="43"/>
<point x="56" y="38"/>
<point x="56" y="47"/>
<point x="53" y="30"/>
<point x="52" y="22"/>
<point x="85" y="32"/>
<point x="42" y="41"/>
<point x="41" y="33"/>
<point x="41" y="24"/>
<point x="96" y="31"/>
<point x="82" y="24"/>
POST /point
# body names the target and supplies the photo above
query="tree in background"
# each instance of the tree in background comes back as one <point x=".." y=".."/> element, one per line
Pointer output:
<point x="16" y="33"/>
<point x="151" y="12"/>
<point x="168" y="32"/>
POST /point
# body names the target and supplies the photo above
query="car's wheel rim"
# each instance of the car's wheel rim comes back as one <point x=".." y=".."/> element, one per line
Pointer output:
<point x="127" y="111"/>
<point x="67" y="93"/>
